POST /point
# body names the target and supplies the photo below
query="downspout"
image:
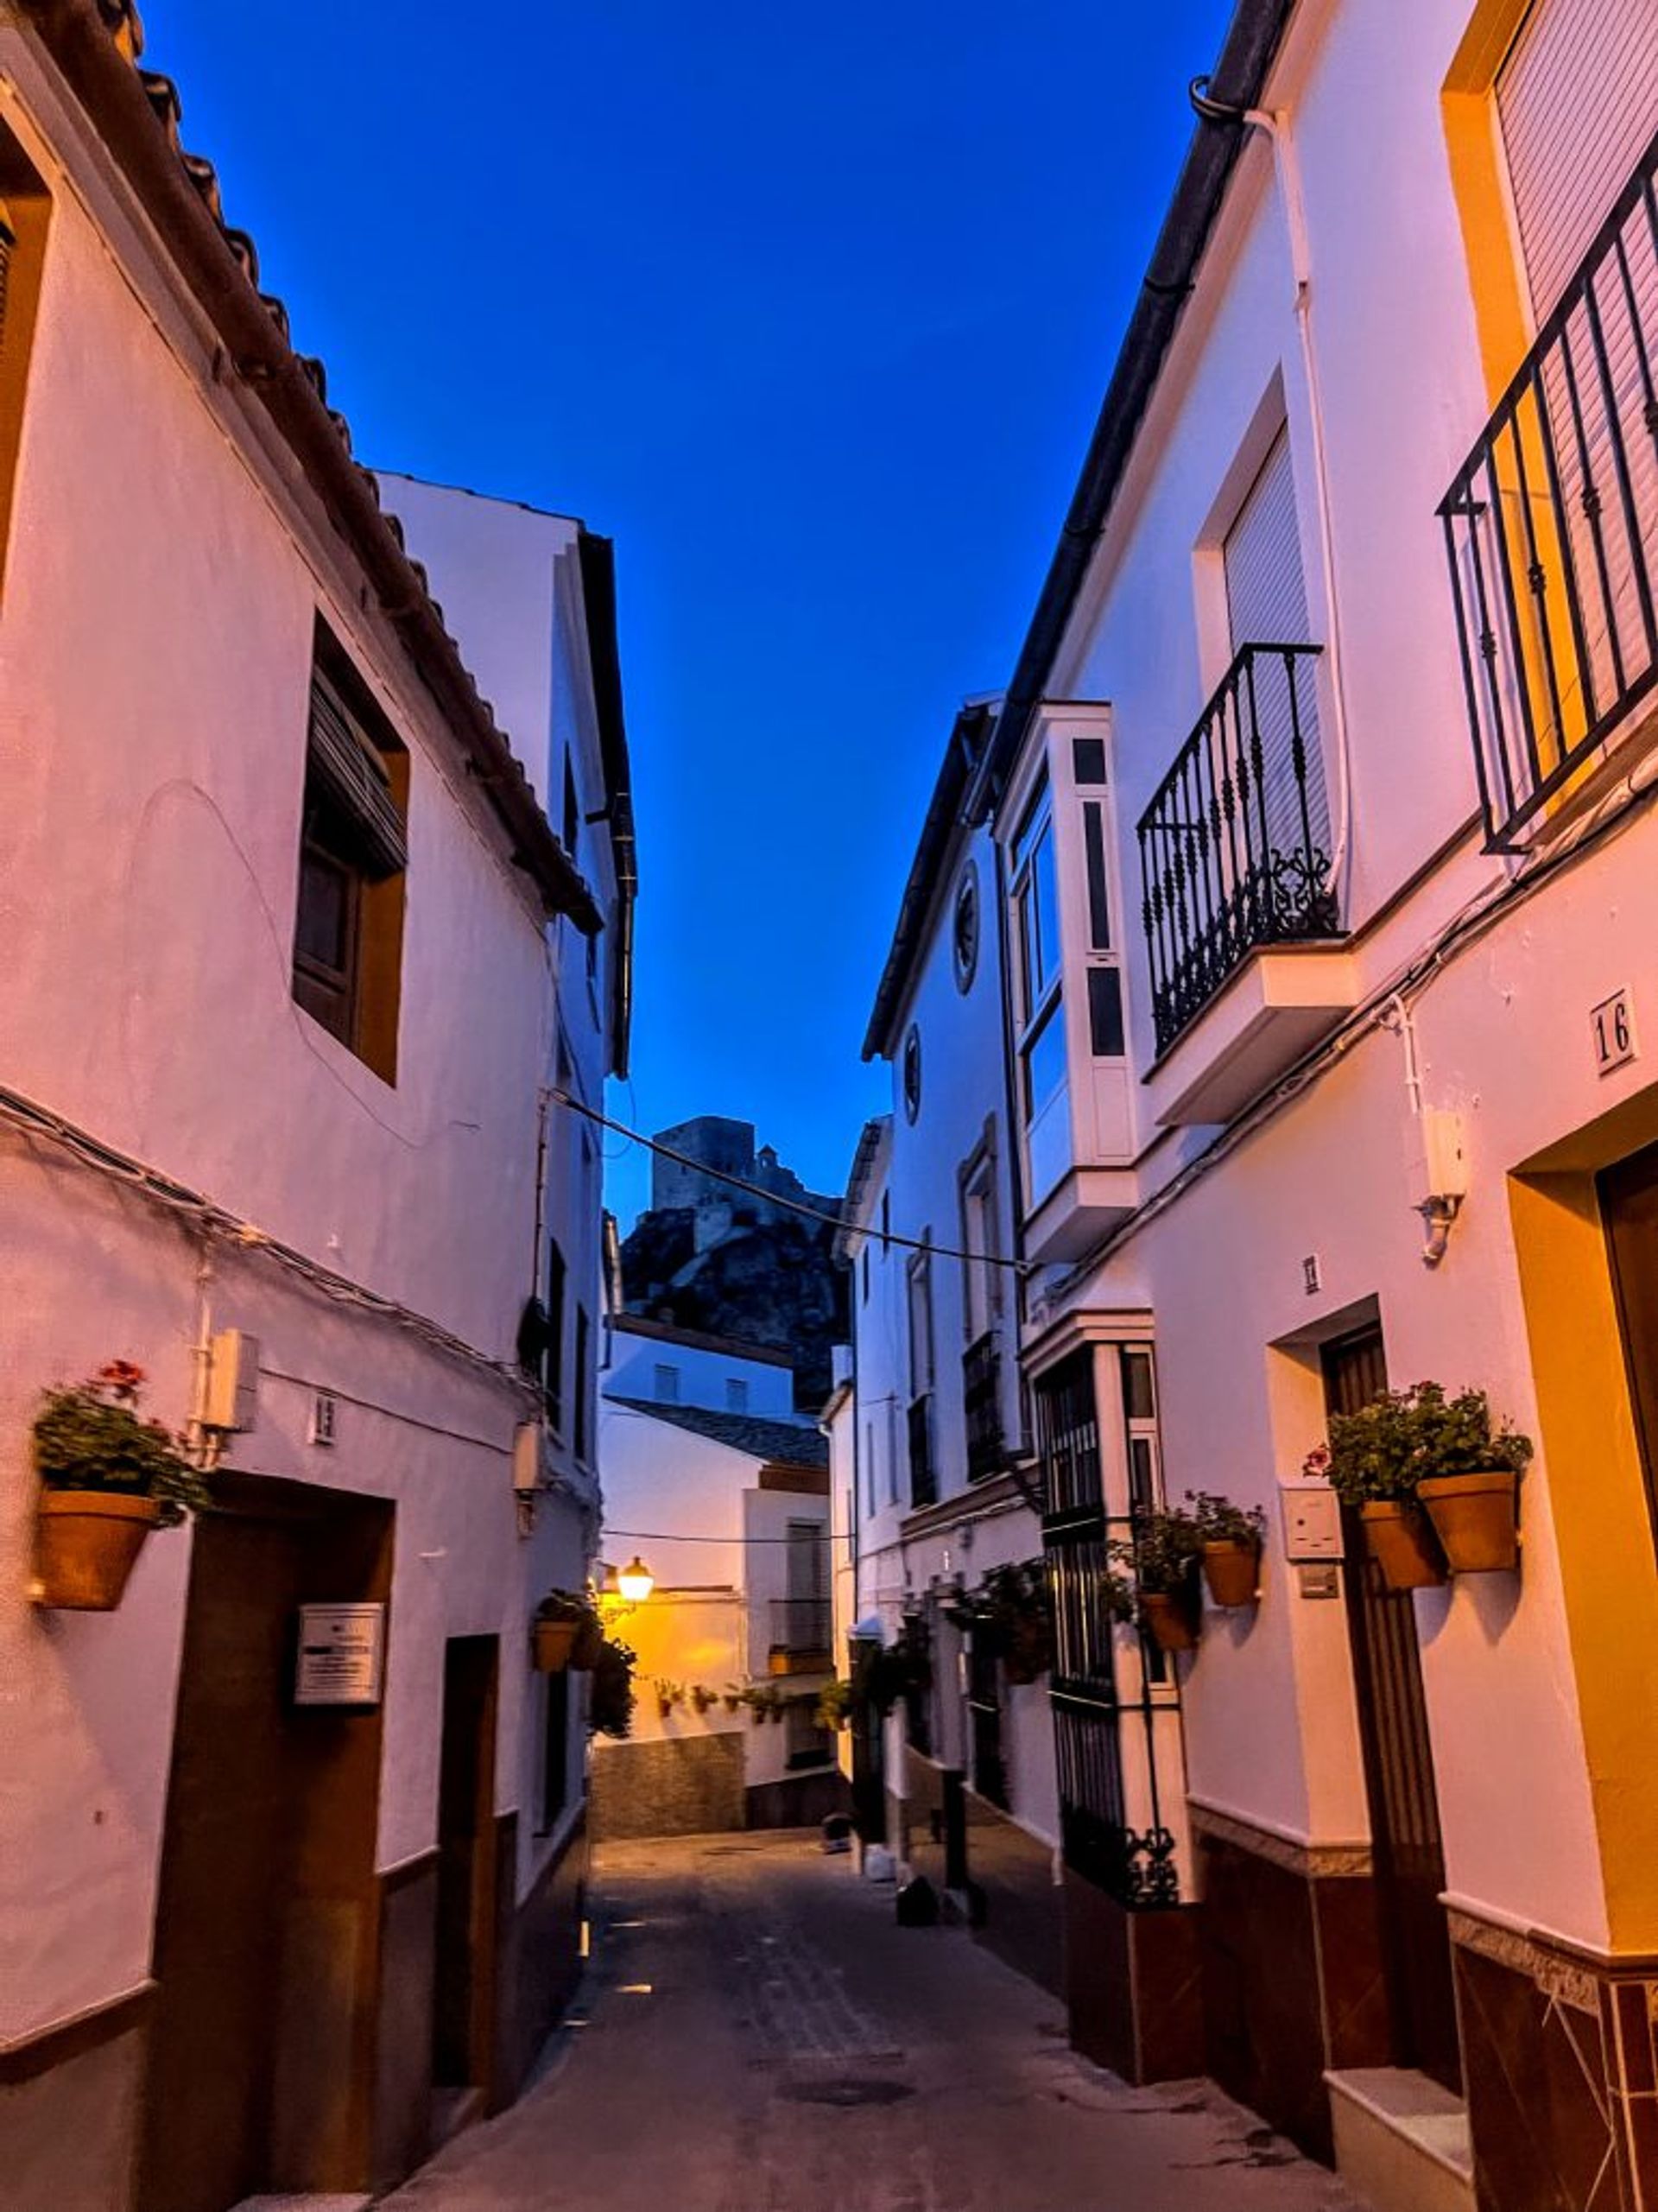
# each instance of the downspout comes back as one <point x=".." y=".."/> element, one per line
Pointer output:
<point x="1288" y="170"/>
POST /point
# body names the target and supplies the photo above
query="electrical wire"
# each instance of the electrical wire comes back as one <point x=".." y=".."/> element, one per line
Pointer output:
<point x="772" y="1198"/>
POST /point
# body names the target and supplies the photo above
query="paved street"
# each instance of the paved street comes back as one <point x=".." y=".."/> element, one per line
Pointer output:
<point x="760" y="2036"/>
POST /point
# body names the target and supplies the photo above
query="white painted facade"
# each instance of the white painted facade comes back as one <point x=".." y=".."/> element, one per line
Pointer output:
<point x="934" y="1181"/>
<point x="166" y="569"/>
<point x="677" y="1367"/>
<point x="696" y="1502"/>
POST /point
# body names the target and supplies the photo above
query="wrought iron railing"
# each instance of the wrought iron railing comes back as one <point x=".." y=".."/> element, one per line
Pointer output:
<point x="801" y="1625"/>
<point x="1552" y="531"/>
<point x="1235" y="845"/>
<point x="981" y="1398"/>
<point x="923" y="1475"/>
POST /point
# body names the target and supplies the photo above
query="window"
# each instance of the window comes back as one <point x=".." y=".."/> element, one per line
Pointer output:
<point x="736" y="1394"/>
<point x="667" y="1388"/>
<point x="553" y="1364"/>
<point x="869" y="1468"/>
<point x="555" y="1751"/>
<point x="579" y="1441"/>
<point x="348" y="931"/>
<point x="964" y="935"/>
<point x="1266" y="605"/>
<point x="866" y="1274"/>
<point x="920" y="1274"/>
<point x="912" y="1073"/>
<point x="1036" y="952"/>
<point x="24" y="209"/>
<point x="572" y="807"/>
<point x="981" y="1278"/>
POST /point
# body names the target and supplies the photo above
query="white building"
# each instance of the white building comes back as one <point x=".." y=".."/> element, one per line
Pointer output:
<point x="944" y="1492"/>
<point x="1335" y="1074"/>
<point x="730" y="1510"/>
<point x="293" y="956"/>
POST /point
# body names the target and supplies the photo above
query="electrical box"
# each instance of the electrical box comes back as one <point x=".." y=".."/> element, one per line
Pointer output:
<point x="233" y="1382"/>
<point x="1435" y="1155"/>
<point x="1311" y="1514"/>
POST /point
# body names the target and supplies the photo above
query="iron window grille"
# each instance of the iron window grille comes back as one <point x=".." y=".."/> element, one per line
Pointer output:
<point x="1234" y="846"/>
<point x="1551" y="531"/>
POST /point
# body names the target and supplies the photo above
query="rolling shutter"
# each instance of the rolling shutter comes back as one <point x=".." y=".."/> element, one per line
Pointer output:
<point x="341" y="756"/>
<point x="1266" y="592"/>
<point x="1266" y="605"/>
<point x="1577" y="100"/>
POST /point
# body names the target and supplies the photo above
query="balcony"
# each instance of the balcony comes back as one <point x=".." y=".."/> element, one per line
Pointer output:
<point x="802" y="1637"/>
<point x="1242" y="932"/>
<point x="923" y="1475"/>
<point x="981" y="1393"/>
<point x="1550" y="529"/>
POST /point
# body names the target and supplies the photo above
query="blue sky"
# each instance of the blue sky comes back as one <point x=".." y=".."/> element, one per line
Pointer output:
<point x="812" y="315"/>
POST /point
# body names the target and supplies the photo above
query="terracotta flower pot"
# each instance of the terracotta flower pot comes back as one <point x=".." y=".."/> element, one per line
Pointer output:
<point x="86" y="1542"/>
<point x="1167" y="1616"/>
<point x="1232" y="1572"/>
<point x="1476" y="1517"/>
<point x="1403" y="1544"/>
<point x="553" y="1641"/>
<point x="590" y="1642"/>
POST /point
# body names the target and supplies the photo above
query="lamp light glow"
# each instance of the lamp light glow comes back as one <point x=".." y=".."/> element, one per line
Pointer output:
<point x="635" y="1581"/>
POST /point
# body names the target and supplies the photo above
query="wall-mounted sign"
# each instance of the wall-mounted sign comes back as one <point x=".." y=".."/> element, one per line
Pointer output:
<point x="1611" y="1025"/>
<point x="1312" y="1521"/>
<point x="341" y="1656"/>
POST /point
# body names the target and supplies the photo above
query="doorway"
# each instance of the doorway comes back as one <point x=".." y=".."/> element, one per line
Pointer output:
<point x="252" y="2082"/>
<point x="463" y="2004"/>
<point x="1408" y="1852"/>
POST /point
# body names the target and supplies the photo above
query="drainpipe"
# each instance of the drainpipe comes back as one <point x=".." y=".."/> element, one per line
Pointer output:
<point x="1287" y="169"/>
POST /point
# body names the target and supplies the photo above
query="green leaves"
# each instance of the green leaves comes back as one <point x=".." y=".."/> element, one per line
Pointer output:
<point x="93" y="1437"/>
<point x="1407" y="1437"/>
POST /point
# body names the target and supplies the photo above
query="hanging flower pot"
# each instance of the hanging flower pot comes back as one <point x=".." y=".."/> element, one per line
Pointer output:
<point x="552" y="1643"/>
<point x="1476" y="1517"/>
<point x="1169" y="1617"/>
<point x="1403" y="1544"/>
<point x="1232" y="1572"/>
<point x="86" y="1545"/>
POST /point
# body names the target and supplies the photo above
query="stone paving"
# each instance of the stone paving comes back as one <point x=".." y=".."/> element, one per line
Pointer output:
<point x="758" y="2034"/>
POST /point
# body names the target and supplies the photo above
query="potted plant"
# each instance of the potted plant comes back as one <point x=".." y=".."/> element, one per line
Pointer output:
<point x="1016" y="1608"/>
<point x="107" y="1477"/>
<point x="564" y="1631"/>
<point x="1470" y="1478"/>
<point x="731" y="1697"/>
<point x="834" y="1705"/>
<point x="1165" y="1552"/>
<point x="1231" y="1538"/>
<point x="610" y="1703"/>
<point x="703" y="1698"/>
<point x="1373" y="1464"/>
<point x="669" y="1695"/>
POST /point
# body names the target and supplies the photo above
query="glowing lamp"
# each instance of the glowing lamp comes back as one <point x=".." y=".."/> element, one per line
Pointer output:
<point x="635" y="1581"/>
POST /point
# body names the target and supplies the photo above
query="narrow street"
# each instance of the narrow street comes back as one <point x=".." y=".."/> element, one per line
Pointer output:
<point x="759" y="2035"/>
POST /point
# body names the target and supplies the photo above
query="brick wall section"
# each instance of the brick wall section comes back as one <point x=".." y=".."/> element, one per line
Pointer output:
<point x="690" y="1785"/>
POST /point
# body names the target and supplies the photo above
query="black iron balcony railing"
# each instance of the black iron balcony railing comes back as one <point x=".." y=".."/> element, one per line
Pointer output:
<point x="981" y="1393"/>
<point x="801" y="1627"/>
<point x="1234" y="846"/>
<point x="1552" y="531"/>
<point x="923" y="1476"/>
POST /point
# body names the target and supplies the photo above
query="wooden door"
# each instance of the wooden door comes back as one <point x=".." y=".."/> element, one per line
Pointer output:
<point x="464" y="1978"/>
<point x="1406" y="1849"/>
<point x="1629" y="1209"/>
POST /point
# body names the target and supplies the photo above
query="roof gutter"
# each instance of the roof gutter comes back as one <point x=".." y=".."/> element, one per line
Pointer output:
<point x="597" y="557"/>
<point x="94" y="45"/>
<point x="1252" y="40"/>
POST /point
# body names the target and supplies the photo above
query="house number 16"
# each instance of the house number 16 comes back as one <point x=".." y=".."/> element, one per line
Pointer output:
<point x="1614" y="1032"/>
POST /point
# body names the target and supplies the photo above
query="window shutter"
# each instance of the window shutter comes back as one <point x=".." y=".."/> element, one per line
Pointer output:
<point x="1266" y="603"/>
<point x="355" y="779"/>
<point x="1577" y="100"/>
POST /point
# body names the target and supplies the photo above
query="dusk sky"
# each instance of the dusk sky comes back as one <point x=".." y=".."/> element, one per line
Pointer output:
<point x="813" y="316"/>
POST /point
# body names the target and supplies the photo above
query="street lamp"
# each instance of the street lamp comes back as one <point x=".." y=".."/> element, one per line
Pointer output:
<point x="635" y="1581"/>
